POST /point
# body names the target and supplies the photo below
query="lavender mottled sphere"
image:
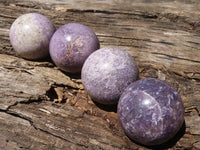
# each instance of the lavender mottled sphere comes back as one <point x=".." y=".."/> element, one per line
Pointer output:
<point x="107" y="72"/>
<point x="71" y="45"/>
<point x="150" y="111"/>
<point x="30" y="35"/>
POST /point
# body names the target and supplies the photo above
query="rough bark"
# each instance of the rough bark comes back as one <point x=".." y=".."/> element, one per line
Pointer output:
<point x="44" y="108"/>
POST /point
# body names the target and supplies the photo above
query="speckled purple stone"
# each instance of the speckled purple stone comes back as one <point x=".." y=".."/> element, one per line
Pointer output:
<point x="30" y="35"/>
<point x="150" y="111"/>
<point x="71" y="45"/>
<point x="107" y="72"/>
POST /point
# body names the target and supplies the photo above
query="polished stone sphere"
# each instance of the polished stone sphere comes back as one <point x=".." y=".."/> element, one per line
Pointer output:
<point x="71" y="45"/>
<point x="30" y="35"/>
<point x="150" y="111"/>
<point x="107" y="72"/>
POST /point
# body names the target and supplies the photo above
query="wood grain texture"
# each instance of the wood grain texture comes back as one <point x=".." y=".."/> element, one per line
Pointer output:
<point x="44" y="108"/>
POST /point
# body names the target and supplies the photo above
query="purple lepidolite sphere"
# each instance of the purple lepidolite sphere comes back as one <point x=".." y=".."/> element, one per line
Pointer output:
<point x="150" y="111"/>
<point x="71" y="45"/>
<point x="30" y="35"/>
<point x="107" y="72"/>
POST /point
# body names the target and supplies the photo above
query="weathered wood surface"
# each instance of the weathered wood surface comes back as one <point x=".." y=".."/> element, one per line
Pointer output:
<point x="43" y="108"/>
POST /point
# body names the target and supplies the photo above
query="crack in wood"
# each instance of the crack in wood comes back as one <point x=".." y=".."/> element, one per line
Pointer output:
<point x="170" y="56"/>
<point x="57" y="136"/>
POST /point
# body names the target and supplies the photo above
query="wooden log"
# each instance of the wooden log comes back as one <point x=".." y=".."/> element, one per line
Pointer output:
<point x="44" y="108"/>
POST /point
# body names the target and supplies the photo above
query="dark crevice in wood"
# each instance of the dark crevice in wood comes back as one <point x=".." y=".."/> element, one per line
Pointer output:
<point x="137" y="39"/>
<point x="57" y="136"/>
<point x="16" y="68"/>
<point x="21" y="116"/>
<point x="51" y="94"/>
<point x="170" y="56"/>
<point x="34" y="100"/>
<point x="7" y="111"/>
<point x="144" y="15"/>
<point x="6" y="16"/>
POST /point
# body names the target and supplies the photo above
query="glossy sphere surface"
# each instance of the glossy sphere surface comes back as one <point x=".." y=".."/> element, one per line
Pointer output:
<point x="71" y="45"/>
<point x="107" y="72"/>
<point x="30" y="35"/>
<point x="150" y="111"/>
